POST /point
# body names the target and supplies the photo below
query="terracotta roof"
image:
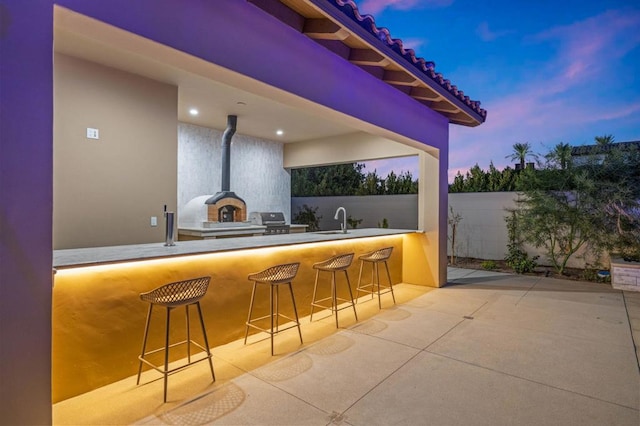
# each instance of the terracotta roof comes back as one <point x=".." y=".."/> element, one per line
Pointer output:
<point x="350" y="9"/>
<point x="338" y="26"/>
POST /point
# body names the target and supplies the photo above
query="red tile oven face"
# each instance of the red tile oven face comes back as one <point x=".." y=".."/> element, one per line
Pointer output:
<point x="227" y="210"/>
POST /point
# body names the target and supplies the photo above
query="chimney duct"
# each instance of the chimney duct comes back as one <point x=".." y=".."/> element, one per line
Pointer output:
<point x="226" y="206"/>
<point x="232" y="121"/>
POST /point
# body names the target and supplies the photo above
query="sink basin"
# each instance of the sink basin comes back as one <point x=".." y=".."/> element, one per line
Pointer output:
<point x="331" y="232"/>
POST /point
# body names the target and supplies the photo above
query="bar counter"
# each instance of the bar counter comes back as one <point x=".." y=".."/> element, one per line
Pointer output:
<point x="103" y="255"/>
<point x="99" y="319"/>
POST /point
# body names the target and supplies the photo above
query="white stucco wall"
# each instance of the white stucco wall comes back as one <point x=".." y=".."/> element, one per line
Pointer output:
<point x="257" y="173"/>
<point x="482" y="232"/>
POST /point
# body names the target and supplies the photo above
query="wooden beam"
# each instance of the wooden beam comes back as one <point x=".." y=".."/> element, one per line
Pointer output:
<point x="459" y="117"/>
<point x="400" y="77"/>
<point x="368" y="57"/>
<point x="424" y="94"/>
<point x="324" y="29"/>
<point x="444" y="106"/>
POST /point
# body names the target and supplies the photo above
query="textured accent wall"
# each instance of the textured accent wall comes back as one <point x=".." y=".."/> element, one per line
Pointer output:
<point x="257" y="172"/>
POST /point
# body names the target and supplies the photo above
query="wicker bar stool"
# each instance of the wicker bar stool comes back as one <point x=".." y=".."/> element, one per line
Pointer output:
<point x="274" y="276"/>
<point x="337" y="263"/>
<point x="182" y="293"/>
<point x="375" y="258"/>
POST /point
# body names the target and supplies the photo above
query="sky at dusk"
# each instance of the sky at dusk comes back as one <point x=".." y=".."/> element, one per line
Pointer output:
<point x="545" y="71"/>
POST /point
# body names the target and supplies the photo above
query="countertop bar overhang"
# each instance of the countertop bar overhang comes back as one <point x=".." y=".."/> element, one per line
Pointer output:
<point x="113" y="254"/>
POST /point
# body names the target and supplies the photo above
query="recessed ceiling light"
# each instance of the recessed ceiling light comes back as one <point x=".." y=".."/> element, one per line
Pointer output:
<point x="279" y="132"/>
<point x="193" y="111"/>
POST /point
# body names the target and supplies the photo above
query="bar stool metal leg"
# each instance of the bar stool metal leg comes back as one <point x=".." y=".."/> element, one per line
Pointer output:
<point x="271" y="289"/>
<point x="390" y="282"/>
<point x="144" y="341"/>
<point x="334" y="299"/>
<point x="186" y="311"/>
<point x="166" y="354"/>
<point x="273" y="277"/>
<point x="253" y="296"/>
<point x="171" y="296"/>
<point x="336" y="263"/>
<point x="375" y="258"/>
<point x="353" y="305"/>
<point x="206" y="341"/>
<point x="315" y="288"/>
<point x="295" y="311"/>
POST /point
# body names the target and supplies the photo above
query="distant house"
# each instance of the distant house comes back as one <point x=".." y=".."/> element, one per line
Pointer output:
<point x="585" y="153"/>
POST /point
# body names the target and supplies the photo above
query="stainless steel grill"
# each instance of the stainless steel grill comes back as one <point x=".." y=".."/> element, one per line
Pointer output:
<point x="274" y="221"/>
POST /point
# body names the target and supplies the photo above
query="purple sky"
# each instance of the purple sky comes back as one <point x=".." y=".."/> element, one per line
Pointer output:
<point x="546" y="71"/>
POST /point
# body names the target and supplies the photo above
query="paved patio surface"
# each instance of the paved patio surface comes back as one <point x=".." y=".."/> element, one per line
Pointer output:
<point x="488" y="349"/>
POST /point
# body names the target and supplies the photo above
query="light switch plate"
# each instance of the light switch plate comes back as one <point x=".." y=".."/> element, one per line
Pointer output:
<point x="154" y="221"/>
<point x="92" y="133"/>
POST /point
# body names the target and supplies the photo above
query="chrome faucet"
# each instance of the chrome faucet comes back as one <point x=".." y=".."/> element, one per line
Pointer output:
<point x="343" y="225"/>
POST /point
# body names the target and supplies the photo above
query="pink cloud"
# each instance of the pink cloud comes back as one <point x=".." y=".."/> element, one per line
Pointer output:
<point x="558" y="98"/>
<point x="486" y="34"/>
<point x="413" y="43"/>
<point x="587" y="47"/>
<point x="376" y="6"/>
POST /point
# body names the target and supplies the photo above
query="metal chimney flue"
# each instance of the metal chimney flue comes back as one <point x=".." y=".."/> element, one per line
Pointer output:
<point x="226" y="206"/>
<point x="232" y="121"/>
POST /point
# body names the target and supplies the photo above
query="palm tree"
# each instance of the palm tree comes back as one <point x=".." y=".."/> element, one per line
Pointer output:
<point x="520" y="152"/>
<point x="604" y="140"/>
<point x="561" y="154"/>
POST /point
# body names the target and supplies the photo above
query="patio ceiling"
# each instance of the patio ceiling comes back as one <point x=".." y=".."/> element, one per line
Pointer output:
<point x="215" y="91"/>
<point x="218" y="92"/>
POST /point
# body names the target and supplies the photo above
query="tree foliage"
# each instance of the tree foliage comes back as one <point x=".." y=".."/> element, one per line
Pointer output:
<point x="349" y="179"/>
<point x="520" y="153"/>
<point x="595" y="206"/>
<point x="554" y="215"/>
<point x="493" y="180"/>
<point x="564" y="207"/>
<point x="560" y="156"/>
<point x="604" y="140"/>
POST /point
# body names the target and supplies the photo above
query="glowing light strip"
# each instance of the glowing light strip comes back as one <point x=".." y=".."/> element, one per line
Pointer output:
<point x="259" y="251"/>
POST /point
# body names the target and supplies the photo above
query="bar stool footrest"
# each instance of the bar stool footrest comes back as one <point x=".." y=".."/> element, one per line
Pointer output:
<point x="331" y="307"/>
<point x="161" y="370"/>
<point x="384" y="289"/>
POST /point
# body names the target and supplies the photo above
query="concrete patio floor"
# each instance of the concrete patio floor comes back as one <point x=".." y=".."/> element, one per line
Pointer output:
<point x="490" y="348"/>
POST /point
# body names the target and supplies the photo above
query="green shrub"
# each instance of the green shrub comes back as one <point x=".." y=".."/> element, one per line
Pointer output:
<point x="308" y="216"/>
<point x="517" y="258"/>
<point x="489" y="265"/>
<point x="353" y="223"/>
<point x="520" y="261"/>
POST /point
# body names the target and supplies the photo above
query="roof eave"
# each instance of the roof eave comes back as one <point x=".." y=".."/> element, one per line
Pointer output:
<point x="331" y="8"/>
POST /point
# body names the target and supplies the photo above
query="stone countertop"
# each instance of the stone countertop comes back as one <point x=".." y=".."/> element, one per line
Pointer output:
<point x="113" y="254"/>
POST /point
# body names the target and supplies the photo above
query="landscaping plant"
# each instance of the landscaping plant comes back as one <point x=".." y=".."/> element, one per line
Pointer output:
<point x="593" y="206"/>
<point x="308" y="216"/>
<point x="517" y="258"/>
<point x="453" y="220"/>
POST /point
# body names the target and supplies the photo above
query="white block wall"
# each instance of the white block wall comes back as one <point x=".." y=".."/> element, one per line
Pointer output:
<point x="482" y="232"/>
